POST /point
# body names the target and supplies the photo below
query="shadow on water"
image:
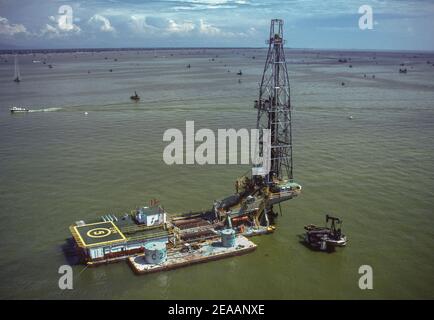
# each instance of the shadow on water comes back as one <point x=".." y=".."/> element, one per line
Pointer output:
<point x="70" y="253"/>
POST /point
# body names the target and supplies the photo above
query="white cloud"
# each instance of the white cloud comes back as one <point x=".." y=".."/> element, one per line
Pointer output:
<point x="102" y="22"/>
<point x="136" y="23"/>
<point x="182" y="27"/>
<point x="50" y="31"/>
<point x="211" y="1"/>
<point x="11" y="29"/>
<point x="203" y="5"/>
<point x="209" y="29"/>
<point x="60" y="29"/>
<point x="160" y="25"/>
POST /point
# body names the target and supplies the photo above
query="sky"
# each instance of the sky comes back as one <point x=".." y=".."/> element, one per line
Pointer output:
<point x="322" y="24"/>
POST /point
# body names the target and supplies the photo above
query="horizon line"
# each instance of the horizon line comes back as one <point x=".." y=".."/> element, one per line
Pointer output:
<point x="92" y="49"/>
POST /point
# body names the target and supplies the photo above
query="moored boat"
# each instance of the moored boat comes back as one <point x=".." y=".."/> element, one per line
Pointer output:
<point x="135" y="97"/>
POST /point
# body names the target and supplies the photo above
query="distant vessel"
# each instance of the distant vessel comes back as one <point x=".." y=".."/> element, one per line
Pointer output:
<point x="135" y="97"/>
<point x="240" y="73"/>
<point x="18" y="109"/>
<point x="17" y="75"/>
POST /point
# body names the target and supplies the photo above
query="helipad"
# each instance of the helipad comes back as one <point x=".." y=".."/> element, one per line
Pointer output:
<point x="100" y="233"/>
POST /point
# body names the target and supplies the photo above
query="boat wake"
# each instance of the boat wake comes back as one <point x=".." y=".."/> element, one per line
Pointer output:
<point x="45" y="110"/>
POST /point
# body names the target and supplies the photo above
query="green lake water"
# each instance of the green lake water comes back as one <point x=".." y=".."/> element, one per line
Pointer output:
<point x="376" y="171"/>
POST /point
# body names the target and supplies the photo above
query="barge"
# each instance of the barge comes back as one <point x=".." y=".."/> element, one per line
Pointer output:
<point x="113" y="238"/>
<point x="176" y="258"/>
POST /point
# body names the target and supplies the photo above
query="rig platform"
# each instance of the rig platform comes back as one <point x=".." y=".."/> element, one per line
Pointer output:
<point x="152" y="240"/>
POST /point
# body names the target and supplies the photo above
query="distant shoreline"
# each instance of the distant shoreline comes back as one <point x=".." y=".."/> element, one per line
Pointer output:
<point x="76" y="50"/>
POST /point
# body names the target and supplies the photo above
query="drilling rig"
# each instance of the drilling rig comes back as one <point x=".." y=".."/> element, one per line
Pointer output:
<point x="274" y="106"/>
<point x="256" y="195"/>
<point x="247" y="212"/>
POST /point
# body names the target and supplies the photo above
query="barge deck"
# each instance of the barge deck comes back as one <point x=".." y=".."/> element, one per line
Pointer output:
<point x="207" y="251"/>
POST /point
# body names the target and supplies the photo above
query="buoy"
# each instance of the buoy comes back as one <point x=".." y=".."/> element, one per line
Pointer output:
<point x="350" y="117"/>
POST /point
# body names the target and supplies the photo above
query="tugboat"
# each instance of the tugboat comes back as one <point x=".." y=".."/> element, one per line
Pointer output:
<point x="135" y="97"/>
<point x="325" y="238"/>
<point x="18" y="109"/>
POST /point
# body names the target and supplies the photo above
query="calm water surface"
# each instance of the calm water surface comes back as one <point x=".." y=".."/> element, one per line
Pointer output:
<point x="376" y="171"/>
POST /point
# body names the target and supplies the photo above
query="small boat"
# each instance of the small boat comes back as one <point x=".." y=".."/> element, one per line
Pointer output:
<point x="135" y="97"/>
<point x="18" y="109"/>
<point x="17" y="75"/>
<point x="240" y="73"/>
<point x="325" y="238"/>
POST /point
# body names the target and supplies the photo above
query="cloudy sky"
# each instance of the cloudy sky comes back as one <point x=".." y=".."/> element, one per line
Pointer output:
<point x="398" y="24"/>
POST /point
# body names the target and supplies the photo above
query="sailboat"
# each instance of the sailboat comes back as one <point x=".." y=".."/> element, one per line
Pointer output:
<point x="17" y="76"/>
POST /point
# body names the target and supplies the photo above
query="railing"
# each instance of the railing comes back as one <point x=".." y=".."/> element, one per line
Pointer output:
<point x="76" y="237"/>
<point x="150" y="236"/>
<point x="138" y="228"/>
